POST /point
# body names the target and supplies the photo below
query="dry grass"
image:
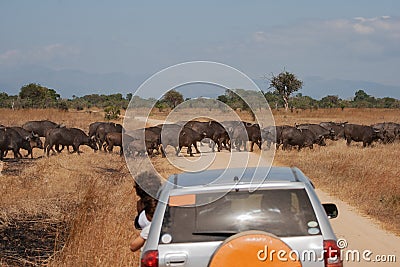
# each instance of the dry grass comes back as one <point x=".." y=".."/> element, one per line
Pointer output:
<point x="366" y="178"/>
<point x="93" y="193"/>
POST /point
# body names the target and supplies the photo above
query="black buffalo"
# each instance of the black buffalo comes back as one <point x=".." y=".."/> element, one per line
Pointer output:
<point x="177" y="136"/>
<point x="34" y="139"/>
<point x="3" y="142"/>
<point x="12" y="140"/>
<point x="361" y="133"/>
<point x="245" y="132"/>
<point x="146" y="139"/>
<point x="273" y="134"/>
<point x="187" y="138"/>
<point x="213" y="130"/>
<point x="103" y="129"/>
<point x="40" y="127"/>
<point x="292" y="136"/>
<point x="337" y="127"/>
<point x="140" y="147"/>
<point x="318" y="130"/>
<point x="68" y="137"/>
<point x="389" y="130"/>
<point x="115" y="139"/>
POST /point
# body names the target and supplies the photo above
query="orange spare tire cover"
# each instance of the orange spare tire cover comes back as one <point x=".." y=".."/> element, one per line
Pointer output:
<point x="252" y="249"/>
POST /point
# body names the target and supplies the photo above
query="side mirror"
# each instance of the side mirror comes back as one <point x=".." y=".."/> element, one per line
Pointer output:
<point x="331" y="210"/>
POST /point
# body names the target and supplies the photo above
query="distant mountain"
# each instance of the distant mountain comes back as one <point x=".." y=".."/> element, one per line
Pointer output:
<point x="79" y="83"/>
<point x="319" y="87"/>
<point x="67" y="82"/>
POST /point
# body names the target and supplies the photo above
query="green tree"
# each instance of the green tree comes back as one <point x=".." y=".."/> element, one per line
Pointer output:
<point x="330" y="101"/>
<point x="161" y="105"/>
<point x="363" y="100"/>
<point x="361" y="95"/>
<point x="302" y="102"/>
<point x="285" y="84"/>
<point x="112" y="113"/>
<point x="129" y="96"/>
<point x="172" y="98"/>
<point x="37" y="96"/>
<point x="4" y="100"/>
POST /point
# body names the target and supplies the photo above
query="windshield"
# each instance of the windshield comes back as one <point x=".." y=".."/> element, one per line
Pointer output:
<point x="280" y="212"/>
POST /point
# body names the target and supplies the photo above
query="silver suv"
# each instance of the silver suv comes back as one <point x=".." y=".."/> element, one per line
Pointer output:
<point x="224" y="218"/>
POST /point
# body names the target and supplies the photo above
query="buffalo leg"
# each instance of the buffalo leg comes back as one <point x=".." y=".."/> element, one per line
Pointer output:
<point x="75" y="149"/>
<point x="29" y="153"/>
<point x="47" y="148"/>
<point x="252" y="146"/>
<point x="195" y="146"/>
<point x="179" y="149"/>
<point x="348" y="141"/>
<point x="110" y="148"/>
<point x="190" y="150"/>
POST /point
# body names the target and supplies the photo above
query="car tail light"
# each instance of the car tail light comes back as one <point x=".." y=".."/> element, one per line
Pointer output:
<point x="150" y="259"/>
<point x="332" y="255"/>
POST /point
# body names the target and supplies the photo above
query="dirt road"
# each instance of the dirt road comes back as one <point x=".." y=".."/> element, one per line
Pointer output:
<point x="364" y="237"/>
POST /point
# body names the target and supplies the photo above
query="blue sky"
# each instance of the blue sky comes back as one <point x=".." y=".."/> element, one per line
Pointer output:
<point x="346" y="40"/>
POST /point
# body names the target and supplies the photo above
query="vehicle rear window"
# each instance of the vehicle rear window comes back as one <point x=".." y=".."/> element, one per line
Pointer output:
<point x="280" y="212"/>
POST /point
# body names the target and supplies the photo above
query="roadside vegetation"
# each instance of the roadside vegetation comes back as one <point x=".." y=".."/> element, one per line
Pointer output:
<point x="367" y="179"/>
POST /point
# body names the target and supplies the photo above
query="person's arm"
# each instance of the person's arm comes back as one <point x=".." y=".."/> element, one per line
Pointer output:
<point x="137" y="243"/>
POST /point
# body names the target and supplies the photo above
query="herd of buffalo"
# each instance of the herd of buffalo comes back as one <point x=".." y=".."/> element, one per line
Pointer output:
<point x="221" y="135"/>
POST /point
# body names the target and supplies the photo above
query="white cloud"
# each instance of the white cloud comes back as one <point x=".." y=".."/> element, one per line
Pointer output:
<point x="260" y="36"/>
<point x="363" y="29"/>
<point x="41" y="54"/>
<point x="344" y="36"/>
<point x="9" y="55"/>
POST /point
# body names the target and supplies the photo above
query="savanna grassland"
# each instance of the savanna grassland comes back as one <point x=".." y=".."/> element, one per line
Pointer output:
<point x="368" y="179"/>
<point x="78" y="210"/>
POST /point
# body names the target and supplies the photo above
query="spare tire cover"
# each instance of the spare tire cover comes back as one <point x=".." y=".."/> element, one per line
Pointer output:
<point x="254" y="248"/>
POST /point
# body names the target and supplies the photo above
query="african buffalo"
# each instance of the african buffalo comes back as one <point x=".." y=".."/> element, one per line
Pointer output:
<point x="389" y="130"/>
<point x="150" y="140"/>
<point x="3" y="142"/>
<point x="177" y="136"/>
<point x="138" y="146"/>
<point x="361" y="133"/>
<point x="337" y="127"/>
<point x="115" y="139"/>
<point x="40" y="127"/>
<point x="318" y="130"/>
<point x="14" y="141"/>
<point x="187" y="138"/>
<point x="213" y="130"/>
<point x="273" y="134"/>
<point x="34" y="139"/>
<point x="103" y="129"/>
<point x="247" y="132"/>
<point x="68" y="137"/>
<point x="300" y="138"/>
